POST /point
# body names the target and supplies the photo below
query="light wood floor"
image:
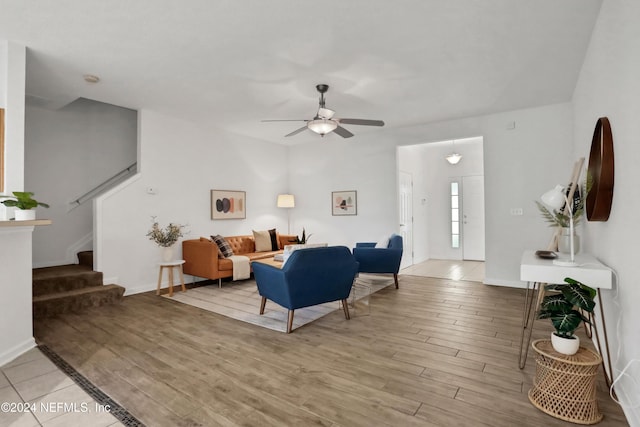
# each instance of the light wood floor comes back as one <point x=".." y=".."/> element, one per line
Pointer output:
<point x="433" y="353"/>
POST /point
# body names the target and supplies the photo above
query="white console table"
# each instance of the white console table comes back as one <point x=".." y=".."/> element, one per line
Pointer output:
<point x="537" y="272"/>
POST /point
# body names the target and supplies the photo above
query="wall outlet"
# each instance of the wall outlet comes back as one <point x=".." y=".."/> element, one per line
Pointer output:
<point x="516" y="211"/>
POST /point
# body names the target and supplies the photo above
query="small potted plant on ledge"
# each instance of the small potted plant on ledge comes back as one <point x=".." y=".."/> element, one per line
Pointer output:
<point x="24" y="204"/>
<point x="303" y="240"/>
<point x="563" y="308"/>
<point x="165" y="238"/>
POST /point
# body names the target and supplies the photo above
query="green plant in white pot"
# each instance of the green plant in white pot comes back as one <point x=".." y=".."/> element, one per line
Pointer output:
<point x="24" y="203"/>
<point x="563" y="308"/>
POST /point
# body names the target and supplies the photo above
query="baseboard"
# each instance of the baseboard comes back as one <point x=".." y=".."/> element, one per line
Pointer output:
<point x="17" y="350"/>
<point x="153" y="286"/>
<point x="507" y="283"/>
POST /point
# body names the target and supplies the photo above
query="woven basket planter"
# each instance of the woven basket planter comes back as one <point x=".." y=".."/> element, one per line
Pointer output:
<point x="564" y="386"/>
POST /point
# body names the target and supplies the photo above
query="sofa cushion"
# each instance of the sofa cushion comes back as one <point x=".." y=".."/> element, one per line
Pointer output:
<point x="223" y="246"/>
<point x="262" y="240"/>
<point x="275" y="239"/>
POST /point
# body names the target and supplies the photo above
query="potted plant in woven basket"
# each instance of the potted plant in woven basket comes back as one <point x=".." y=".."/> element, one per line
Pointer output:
<point x="566" y="307"/>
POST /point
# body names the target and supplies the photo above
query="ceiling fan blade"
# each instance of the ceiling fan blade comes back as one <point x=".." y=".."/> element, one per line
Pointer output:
<point x="362" y="122"/>
<point x="343" y="132"/>
<point x="297" y="131"/>
<point x="285" y="120"/>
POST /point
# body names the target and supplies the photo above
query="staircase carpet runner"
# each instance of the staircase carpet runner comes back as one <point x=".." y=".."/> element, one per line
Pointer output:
<point x="71" y="288"/>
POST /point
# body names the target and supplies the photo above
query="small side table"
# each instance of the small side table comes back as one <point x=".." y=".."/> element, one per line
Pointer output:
<point x="171" y="265"/>
<point x="564" y="386"/>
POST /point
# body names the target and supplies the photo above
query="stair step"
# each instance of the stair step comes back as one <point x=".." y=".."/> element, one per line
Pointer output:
<point x="64" y="278"/>
<point x="76" y="300"/>
<point x="86" y="258"/>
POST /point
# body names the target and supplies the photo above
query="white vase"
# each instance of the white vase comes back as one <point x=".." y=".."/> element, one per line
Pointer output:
<point x="167" y="253"/>
<point x="564" y="241"/>
<point x="565" y="345"/>
<point x="25" y="214"/>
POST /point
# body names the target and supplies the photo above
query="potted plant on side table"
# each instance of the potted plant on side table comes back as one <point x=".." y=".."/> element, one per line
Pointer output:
<point x="165" y="238"/>
<point x="563" y="308"/>
<point x="24" y="204"/>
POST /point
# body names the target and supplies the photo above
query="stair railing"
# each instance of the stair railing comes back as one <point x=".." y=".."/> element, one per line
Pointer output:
<point x="108" y="183"/>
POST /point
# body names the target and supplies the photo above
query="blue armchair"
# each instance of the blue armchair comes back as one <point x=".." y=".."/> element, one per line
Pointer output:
<point x="380" y="260"/>
<point x="309" y="277"/>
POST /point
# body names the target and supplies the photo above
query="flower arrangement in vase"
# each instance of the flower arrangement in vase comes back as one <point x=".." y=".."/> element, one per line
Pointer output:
<point x="165" y="237"/>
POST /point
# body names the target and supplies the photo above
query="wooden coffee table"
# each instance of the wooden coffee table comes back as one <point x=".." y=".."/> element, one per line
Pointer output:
<point x="270" y="261"/>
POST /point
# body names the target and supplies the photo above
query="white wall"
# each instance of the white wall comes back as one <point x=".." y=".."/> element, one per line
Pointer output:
<point x="68" y="152"/>
<point x="519" y="165"/>
<point x="12" y="80"/>
<point x="183" y="161"/>
<point x="16" y="326"/>
<point x="609" y="86"/>
<point x="366" y="165"/>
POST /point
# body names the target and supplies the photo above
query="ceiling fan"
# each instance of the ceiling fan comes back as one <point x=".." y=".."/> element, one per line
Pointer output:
<point x="324" y="121"/>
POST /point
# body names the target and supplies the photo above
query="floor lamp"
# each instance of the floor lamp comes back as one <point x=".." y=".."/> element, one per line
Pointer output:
<point x="287" y="201"/>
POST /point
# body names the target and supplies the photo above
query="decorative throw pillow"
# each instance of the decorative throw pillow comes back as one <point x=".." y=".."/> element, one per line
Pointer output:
<point x="383" y="243"/>
<point x="275" y="239"/>
<point x="223" y="246"/>
<point x="262" y="240"/>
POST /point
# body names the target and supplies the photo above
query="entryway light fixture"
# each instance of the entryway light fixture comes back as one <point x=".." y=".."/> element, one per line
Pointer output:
<point x="454" y="157"/>
<point x="322" y="126"/>
<point x="287" y="201"/>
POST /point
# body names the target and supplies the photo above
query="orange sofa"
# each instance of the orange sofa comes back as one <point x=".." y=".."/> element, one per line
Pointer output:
<point x="202" y="258"/>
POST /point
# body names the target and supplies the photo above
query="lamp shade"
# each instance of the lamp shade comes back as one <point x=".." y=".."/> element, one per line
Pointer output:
<point x="286" y="201"/>
<point x="322" y="126"/>
<point x="453" y="158"/>
<point x="554" y="198"/>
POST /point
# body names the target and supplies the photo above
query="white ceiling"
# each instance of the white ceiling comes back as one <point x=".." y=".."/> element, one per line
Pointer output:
<point x="229" y="63"/>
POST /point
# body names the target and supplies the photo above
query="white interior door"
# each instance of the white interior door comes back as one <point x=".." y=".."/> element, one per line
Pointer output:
<point x="473" y="218"/>
<point x="405" y="228"/>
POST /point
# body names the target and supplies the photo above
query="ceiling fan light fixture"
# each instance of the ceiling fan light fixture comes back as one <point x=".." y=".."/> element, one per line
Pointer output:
<point x="325" y="113"/>
<point x="453" y="158"/>
<point x="322" y="126"/>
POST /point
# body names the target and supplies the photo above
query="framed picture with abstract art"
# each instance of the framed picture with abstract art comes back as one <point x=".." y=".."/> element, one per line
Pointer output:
<point x="226" y="204"/>
<point x="344" y="203"/>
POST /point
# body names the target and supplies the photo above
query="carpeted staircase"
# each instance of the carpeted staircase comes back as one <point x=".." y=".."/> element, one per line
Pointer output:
<point x="71" y="288"/>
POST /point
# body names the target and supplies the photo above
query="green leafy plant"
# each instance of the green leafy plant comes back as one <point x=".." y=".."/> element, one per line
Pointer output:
<point x="303" y="240"/>
<point x="165" y="237"/>
<point x="563" y="307"/>
<point x="22" y="200"/>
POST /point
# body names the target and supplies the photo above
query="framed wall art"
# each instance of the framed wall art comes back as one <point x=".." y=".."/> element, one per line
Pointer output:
<point x="344" y="203"/>
<point x="227" y="204"/>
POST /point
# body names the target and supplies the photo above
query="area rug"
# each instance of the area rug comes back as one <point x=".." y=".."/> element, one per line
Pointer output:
<point x="240" y="300"/>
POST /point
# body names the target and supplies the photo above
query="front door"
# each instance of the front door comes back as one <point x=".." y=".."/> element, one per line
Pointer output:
<point x="473" y="218"/>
